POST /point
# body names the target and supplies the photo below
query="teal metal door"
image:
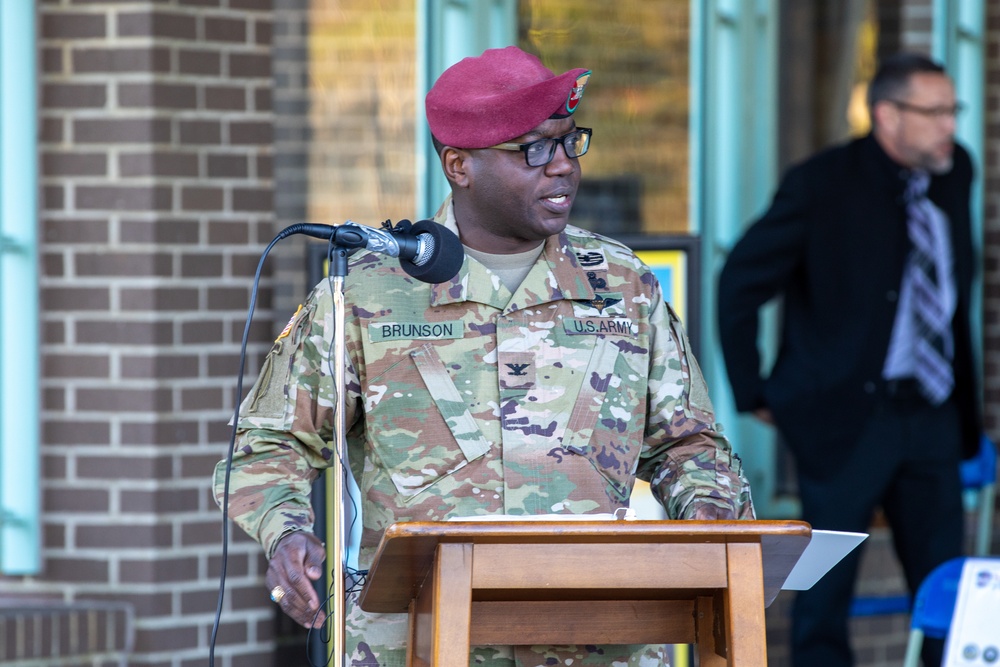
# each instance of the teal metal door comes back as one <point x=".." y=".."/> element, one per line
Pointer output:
<point x="733" y="172"/>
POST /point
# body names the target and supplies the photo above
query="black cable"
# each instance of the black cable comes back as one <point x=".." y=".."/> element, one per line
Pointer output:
<point x="300" y="228"/>
<point x="283" y="234"/>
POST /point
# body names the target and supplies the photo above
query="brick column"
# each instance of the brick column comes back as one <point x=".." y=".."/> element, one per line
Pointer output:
<point x="156" y="127"/>
<point x="991" y="229"/>
<point x="916" y="25"/>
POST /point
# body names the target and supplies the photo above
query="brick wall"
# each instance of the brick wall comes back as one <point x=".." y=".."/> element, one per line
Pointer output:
<point x="916" y="23"/>
<point x="991" y="225"/>
<point x="156" y="135"/>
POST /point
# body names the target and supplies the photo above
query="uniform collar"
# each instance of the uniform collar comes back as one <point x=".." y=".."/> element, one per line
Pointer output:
<point x="555" y="276"/>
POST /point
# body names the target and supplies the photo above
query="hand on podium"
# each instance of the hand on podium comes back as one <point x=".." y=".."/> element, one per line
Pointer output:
<point x="296" y="563"/>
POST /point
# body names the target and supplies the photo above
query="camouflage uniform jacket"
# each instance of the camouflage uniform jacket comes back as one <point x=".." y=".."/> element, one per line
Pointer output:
<point x="464" y="399"/>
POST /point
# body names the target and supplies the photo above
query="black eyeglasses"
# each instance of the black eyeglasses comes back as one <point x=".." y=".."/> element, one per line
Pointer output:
<point x="930" y="112"/>
<point x="539" y="153"/>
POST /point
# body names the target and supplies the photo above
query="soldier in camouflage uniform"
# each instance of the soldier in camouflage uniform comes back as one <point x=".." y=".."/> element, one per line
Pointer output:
<point x="545" y="377"/>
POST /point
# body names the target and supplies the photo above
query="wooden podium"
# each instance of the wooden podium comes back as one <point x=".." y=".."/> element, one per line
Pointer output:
<point x="584" y="582"/>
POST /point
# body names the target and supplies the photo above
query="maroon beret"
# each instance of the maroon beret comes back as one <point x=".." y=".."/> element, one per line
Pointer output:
<point x="504" y="93"/>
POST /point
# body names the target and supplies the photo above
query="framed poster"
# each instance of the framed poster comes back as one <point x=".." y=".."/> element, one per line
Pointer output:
<point x="674" y="261"/>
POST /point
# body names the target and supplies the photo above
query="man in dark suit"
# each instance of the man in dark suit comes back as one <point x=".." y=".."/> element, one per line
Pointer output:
<point x="874" y="387"/>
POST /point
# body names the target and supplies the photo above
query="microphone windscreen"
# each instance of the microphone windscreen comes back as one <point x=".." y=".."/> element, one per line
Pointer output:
<point x="446" y="257"/>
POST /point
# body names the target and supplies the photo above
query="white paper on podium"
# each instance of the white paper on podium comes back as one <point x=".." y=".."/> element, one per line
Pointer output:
<point x="825" y="549"/>
<point x="623" y="514"/>
<point x="973" y="638"/>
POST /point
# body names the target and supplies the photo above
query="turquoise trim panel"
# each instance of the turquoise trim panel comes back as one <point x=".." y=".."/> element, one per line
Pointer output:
<point x="19" y="364"/>
<point x="734" y="163"/>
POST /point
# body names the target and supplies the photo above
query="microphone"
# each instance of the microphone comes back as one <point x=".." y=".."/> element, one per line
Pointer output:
<point x="427" y="251"/>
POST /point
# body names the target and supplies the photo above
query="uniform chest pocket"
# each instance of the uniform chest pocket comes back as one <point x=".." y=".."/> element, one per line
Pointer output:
<point x="418" y="423"/>
<point x="606" y="425"/>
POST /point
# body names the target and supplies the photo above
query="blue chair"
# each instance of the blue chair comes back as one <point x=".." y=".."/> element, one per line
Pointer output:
<point x="933" y="607"/>
<point x="979" y="477"/>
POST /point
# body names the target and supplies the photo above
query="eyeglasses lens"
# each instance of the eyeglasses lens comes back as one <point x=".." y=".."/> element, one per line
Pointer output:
<point x="540" y="153"/>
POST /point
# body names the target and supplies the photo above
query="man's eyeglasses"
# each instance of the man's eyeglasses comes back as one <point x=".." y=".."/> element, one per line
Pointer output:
<point x="930" y="112"/>
<point x="539" y="153"/>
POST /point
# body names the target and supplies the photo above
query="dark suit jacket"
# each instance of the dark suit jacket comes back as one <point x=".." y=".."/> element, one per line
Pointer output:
<point x="833" y="244"/>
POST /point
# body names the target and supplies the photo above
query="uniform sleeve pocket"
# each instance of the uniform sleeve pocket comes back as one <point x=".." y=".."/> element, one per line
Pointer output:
<point x="698" y="400"/>
<point x="420" y="425"/>
<point x="266" y="405"/>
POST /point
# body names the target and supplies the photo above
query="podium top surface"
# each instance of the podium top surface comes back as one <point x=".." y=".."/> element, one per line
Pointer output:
<point x="407" y="550"/>
<point x="598" y="531"/>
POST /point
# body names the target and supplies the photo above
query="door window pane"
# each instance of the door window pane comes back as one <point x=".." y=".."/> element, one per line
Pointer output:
<point x="636" y="173"/>
<point x="362" y="74"/>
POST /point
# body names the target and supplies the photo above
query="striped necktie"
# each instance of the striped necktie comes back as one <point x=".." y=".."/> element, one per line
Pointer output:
<point x="932" y="344"/>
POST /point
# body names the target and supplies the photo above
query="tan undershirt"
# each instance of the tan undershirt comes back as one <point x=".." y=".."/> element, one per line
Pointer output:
<point x="511" y="269"/>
